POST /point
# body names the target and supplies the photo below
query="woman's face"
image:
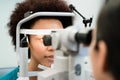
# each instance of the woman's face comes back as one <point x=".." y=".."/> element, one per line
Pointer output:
<point x="41" y="54"/>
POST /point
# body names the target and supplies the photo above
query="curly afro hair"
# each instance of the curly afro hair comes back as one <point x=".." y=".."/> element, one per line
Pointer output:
<point x="36" y="6"/>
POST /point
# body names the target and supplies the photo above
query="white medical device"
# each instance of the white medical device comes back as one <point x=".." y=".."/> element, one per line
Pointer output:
<point x="69" y="62"/>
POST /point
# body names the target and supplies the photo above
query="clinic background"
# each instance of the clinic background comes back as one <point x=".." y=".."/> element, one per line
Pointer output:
<point x="88" y="8"/>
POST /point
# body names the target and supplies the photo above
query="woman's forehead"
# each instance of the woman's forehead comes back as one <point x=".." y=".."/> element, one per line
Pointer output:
<point x="47" y="24"/>
<point x="38" y="36"/>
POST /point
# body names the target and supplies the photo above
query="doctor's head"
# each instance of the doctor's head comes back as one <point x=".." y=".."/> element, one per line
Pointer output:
<point x="105" y="46"/>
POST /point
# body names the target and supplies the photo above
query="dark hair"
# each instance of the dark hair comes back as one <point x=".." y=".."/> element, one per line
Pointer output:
<point x="108" y="29"/>
<point x="37" y="6"/>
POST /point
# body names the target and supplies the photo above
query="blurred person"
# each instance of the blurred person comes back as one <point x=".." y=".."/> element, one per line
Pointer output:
<point x="105" y="45"/>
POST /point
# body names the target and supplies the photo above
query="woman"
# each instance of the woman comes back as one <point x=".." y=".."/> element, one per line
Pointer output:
<point x="39" y="54"/>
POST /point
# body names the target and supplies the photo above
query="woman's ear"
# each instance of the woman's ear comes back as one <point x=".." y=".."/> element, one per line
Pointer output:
<point x="102" y="55"/>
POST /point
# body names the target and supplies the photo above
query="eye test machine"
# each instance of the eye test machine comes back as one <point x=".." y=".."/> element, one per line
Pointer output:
<point x="71" y="61"/>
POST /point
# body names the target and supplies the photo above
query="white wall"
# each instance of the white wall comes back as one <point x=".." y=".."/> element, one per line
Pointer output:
<point x="7" y="54"/>
<point x="88" y="8"/>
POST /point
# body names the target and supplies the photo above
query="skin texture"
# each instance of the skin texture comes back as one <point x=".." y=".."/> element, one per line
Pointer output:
<point x="98" y="59"/>
<point x="41" y="54"/>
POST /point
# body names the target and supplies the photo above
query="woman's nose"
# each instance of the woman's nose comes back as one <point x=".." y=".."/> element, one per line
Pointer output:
<point x="50" y="48"/>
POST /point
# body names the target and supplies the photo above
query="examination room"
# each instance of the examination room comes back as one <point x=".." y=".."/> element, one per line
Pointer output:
<point x="59" y="40"/>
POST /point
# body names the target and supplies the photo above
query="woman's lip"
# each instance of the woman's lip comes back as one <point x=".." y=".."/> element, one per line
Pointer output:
<point x="50" y="58"/>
